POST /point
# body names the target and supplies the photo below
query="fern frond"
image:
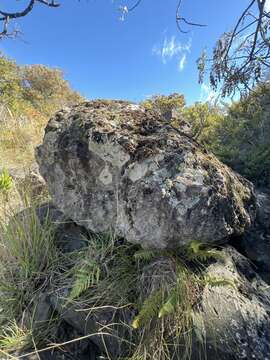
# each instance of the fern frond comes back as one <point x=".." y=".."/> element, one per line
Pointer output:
<point x="170" y="305"/>
<point x="149" y="310"/>
<point x="86" y="276"/>
<point x="200" y="252"/>
<point x="149" y="254"/>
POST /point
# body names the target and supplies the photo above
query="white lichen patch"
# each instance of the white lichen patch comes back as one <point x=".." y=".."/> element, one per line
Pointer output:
<point x="138" y="170"/>
<point x="105" y="176"/>
<point x="110" y="152"/>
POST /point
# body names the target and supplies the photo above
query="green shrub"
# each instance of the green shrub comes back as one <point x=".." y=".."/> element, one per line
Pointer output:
<point x="239" y="134"/>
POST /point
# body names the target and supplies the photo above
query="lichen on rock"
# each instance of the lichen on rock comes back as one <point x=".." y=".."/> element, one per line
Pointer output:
<point x="114" y="165"/>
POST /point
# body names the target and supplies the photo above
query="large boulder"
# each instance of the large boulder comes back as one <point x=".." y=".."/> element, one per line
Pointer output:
<point x="113" y="165"/>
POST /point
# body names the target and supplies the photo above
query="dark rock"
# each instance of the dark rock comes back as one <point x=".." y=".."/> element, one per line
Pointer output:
<point x="105" y="326"/>
<point x="255" y="243"/>
<point x="113" y="165"/>
<point x="71" y="349"/>
<point x="68" y="235"/>
<point x="42" y="312"/>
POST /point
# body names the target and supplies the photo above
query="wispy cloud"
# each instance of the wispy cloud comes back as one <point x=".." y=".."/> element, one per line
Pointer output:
<point x="172" y="48"/>
<point x="182" y="62"/>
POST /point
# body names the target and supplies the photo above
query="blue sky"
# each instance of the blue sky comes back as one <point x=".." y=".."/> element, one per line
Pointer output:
<point x="104" y="57"/>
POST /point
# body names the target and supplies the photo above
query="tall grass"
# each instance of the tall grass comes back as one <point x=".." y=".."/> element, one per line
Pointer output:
<point x="28" y="256"/>
<point x="29" y="260"/>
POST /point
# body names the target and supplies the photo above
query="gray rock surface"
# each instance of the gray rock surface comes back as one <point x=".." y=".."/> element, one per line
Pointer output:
<point x="236" y="320"/>
<point x="115" y="165"/>
<point x="256" y="241"/>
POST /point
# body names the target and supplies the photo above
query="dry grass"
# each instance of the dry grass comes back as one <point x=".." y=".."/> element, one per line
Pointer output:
<point x="19" y="135"/>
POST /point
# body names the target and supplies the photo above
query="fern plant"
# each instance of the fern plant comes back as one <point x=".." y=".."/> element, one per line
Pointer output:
<point x="86" y="275"/>
<point x="198" y="251"/>
<point x="147" y="255"/>
<point x="149" y="309"/>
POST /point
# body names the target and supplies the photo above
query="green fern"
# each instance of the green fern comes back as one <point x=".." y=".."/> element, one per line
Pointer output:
<point x="149" y="310"/>
<point x="147" y="255"/>
<point x="86" y="276"/>
<point x="170" y="305"/>
<point x="179" y="296"/>
<point x="200" y="252"/>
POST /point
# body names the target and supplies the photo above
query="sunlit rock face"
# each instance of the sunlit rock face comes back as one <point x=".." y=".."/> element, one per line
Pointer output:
<point x="115" y="166"/>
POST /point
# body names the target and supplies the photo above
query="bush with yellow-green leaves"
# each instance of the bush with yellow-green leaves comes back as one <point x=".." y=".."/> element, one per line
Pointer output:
<point x="29" y="95"/>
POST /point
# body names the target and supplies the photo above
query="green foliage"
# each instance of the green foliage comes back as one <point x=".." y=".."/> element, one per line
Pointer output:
<point x="204" y="119"/>
<point x="147" y="255"/>
<point x="180" y="297"/>
<point x="37" y="87"/>
<point x="5" y="181"/>
<point x="105" y="272"/>
<point x="168" y="106"/>
<point x="165" y="318"/>
<point x="28" y="257"/>
<point x="86" y="276"/>
<point x="238" y="134"/>
<point x="10" y="83"/>
<point x="29" y="95"/>
<point x="149" y="309"/>
<point x="220" y="281"/>
<point x="46" y="89"/>
<point x="198" y="251"/>
<point x="243" y="136"/>
<point x="13" y="337"/>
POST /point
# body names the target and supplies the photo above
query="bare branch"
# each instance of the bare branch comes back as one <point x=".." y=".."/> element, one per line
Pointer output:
<point x="180" y="19"/>
<point x="7" y="16"/>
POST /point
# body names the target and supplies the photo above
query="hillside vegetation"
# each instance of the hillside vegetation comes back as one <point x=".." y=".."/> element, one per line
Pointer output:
<point x="238" y="134"/>
<point x="29" y="95"/>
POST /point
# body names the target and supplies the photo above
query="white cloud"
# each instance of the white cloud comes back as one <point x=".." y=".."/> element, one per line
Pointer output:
<point x="182" y="62"/>
<point x="172" y="48"/>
